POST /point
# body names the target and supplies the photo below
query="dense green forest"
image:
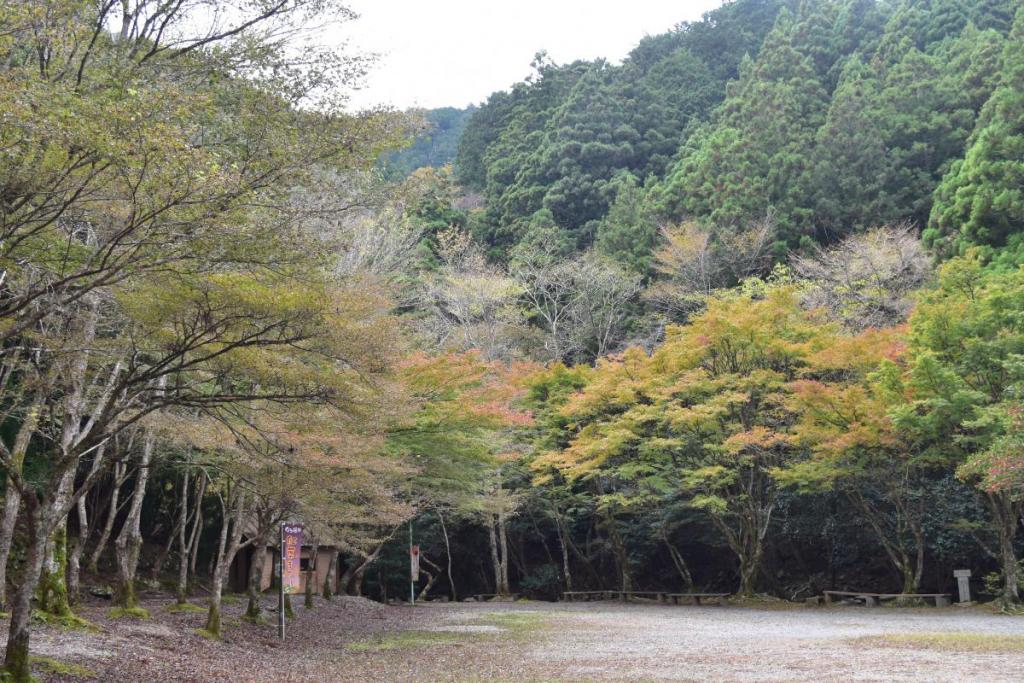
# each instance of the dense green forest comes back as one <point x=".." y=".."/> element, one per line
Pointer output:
<point x="744" y="312"/>
<point x="834" y="116"/>
<point x="435" y="145"/>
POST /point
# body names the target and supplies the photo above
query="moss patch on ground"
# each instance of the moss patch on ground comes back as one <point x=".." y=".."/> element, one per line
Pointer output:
<point x="186" y="607"/>
<point x="957" y="642"/>
<point x="68" y="621"/>
<point x="128" y="613"/>
<point x="59" y="668"/>
<point x="207" y="634"/>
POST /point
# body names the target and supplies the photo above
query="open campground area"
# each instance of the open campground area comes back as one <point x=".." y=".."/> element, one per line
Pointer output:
<point x="352" y="639"/>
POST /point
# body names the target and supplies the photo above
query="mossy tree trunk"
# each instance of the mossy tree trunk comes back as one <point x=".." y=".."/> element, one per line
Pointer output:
<point x="492" y="538"/>
<point x="129" y="540"/>
<point x="52" y="589"/>
<point x="77" y="546"/>
<point x="234" y="512"/>
<point x="16" y="660"/>
<point x="12" y="498"/>
<point x="1005" y="515"/>
<point x="181" y="591"/>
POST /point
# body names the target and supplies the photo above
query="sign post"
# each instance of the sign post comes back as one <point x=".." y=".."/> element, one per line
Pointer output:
<point x="290" y="568"/>
<point x="963" y="583"/>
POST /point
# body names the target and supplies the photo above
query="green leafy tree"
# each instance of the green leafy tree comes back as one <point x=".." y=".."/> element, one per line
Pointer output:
<point x="704" y="417"/>
<point x="957" y="399"/>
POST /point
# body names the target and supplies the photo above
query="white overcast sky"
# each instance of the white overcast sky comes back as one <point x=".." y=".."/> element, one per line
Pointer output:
<point x="436" y="53"/>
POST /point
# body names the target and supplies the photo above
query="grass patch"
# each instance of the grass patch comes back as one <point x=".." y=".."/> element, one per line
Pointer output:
<point x="185" y="607"/>
<point x="516" y="623"/>
<point x="957" y="642"/>
<point x="53" y="666"/>
<point x="230" y="600"/>
<point x="510" y="626"/>
<point x="128" y="613"/>
<point x="406" y="640"/>
<point x="71" y="622"/>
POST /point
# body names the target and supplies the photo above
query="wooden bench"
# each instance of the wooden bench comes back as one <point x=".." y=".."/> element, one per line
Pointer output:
<point x="695" y="598"/>
<point x="626" y="595"/>
<point x="873" y="599"/>
<point x="570" y="596"/>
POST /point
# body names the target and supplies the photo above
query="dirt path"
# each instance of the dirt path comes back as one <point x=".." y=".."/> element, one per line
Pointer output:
<point x="352" y="639"/>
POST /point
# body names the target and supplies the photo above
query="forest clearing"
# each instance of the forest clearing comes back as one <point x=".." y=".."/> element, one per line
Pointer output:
<point x="733" y="314"/>
<point x="356" y="640"/>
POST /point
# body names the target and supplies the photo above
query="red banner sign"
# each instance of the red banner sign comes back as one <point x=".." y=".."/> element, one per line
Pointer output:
<point x="291" y="554"/>
<point x="414" y="561"/>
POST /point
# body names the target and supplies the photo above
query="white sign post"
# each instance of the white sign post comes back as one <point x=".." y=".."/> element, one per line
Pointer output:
<point x="963" y="582"/>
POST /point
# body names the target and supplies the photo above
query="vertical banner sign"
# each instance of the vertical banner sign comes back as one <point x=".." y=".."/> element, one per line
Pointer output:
<point x="290" y="558"/>
<point x="414" y="562"/>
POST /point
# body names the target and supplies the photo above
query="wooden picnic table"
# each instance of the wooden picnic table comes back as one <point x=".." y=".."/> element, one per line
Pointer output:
<point x="873" y="599"/>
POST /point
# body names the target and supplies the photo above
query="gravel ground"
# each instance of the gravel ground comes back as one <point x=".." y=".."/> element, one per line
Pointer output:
<point x="351" y="639"/>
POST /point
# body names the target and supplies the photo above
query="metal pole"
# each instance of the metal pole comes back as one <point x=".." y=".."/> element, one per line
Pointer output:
<point x="412" y="579"/>
<point x="280" y="585"/>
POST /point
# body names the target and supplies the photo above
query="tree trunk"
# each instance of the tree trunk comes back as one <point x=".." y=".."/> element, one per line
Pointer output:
<point x="495" y="561"/>
<point x="352" y="580"/>
<point x="253" y="612"/>
<point x="75" y="553"/>
<point x="165" y="552"/>
<point x="431" y="577"/>
<point x="197" y="524"/>
<point x="1004" y="513"/>
<point x="448" y="554"/>
<point x="129" y="540"/>
<point x="357" y="577"/>
<point x="677" y="560"/>
<point x="332" y="568"/>
<point x="53" y="589"/>
<point x="16" y="659"/>
<point x="910" y="571"/>
<point x="563" y="544"/>
<point x="311" y="576"/>
<point x="120" y="472"/>
<point x="181" y="592"/>
<point x="503" y="540"/>
<point x="230" y="544"/>
<point x="12" y="499"/>
<point x="43" y="521"/>
<point x="621" y="557"/>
